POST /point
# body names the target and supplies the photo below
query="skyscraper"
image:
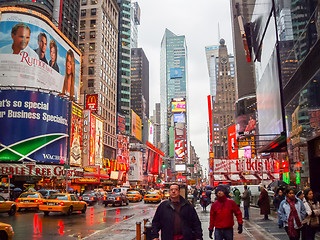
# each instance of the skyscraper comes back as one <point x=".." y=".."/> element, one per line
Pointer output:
<point x="135" y="21"/>
<point x="212" y="55"/>
<point x="173" y="79"/>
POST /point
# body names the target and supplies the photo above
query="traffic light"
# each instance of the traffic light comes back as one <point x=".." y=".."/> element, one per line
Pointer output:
<point x="163" y="164"/>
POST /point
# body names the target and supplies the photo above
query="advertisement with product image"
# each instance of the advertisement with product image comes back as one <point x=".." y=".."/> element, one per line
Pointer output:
<point x="34" y="53"/>
<point x="75" y="135"/>
<point x="33" y="127"/>
<point x="135" y="166"/>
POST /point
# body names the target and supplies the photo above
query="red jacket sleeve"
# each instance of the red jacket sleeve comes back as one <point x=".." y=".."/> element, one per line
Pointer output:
<point x="212" y="217"/>
<point x="237" y="212"/>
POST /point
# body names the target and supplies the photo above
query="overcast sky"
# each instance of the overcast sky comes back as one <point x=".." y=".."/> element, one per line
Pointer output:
<point x="198" y="21"/>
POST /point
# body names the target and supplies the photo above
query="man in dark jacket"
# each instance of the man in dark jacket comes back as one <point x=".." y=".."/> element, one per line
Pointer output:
<point x="176" y="218"/>
<point x="246" y="202"/>
<point x="264" y="203"/>
<point x="221" y="216"/>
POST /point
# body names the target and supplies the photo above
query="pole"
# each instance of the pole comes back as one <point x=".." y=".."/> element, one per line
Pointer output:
<point x="9" y="186"/>
<point x="138" y="230"/>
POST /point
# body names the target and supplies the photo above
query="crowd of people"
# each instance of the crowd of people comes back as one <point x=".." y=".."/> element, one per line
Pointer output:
<point x="298" y="212"/>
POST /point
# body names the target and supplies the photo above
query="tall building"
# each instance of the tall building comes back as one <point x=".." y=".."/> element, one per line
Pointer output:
<point x="124" y="48"/>
<point x="99" y="46"/>
<point x="135" y="22"/>
<point x="140" y="86"/>
<point x="63" y="13"/>
<point x="156" y="119"/>
<point x="223" y="106"/>
<point x="173" y="79"/>
<point x="212" y="55"/>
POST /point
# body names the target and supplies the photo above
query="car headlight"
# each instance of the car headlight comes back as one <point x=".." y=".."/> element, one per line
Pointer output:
<point x="10" y="229"/>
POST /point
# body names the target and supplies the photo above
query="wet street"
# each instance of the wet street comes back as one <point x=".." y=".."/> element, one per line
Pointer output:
<point x="34" y="225"/>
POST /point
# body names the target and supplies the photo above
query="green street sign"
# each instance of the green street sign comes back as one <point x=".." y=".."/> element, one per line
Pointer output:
<point x="190" y="165"/>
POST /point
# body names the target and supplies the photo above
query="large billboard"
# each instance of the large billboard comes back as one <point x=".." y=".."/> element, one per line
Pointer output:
<point x="135" y="166"/>
<point x="123" y="149"/>
<point x="178" y="106"/>
<point x="33" y="127"/>
<point x="75" y="135"/>
<point x="92" y="155"/>
<point x="98" y="142"/>
<point x="175" y="72"/>
<point x="232" y="142"/>
<point x="150" y="132"/>
<point x="136" y="126"/>
<point x="179" y="117"/>
<point x="121" y="124"/>
<point x="34" y="53"/>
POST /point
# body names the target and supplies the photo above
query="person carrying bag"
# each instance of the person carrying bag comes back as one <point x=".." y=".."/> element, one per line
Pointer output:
<point x="311" y="222"/>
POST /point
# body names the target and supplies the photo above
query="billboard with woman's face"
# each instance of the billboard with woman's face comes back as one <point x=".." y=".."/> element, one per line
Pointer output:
<point x="34" y="53"/>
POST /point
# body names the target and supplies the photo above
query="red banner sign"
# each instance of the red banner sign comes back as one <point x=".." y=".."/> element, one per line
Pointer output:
<point x="92" y="102"/>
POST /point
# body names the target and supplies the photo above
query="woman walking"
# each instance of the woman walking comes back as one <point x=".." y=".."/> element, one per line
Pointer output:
<point x="276" y="202"/>
<point x="312" y="220"/>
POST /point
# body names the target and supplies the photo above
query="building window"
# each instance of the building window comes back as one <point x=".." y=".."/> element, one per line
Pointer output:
<point x="91" y="58"/>
<point x="92" y="34"/>
<point x="83" y="2"/>
<point x="93" y="11"/>
<point x="90" y="70"/>
<point x="94" y="2"/>
<point x="83" y="12"/>
<point x="93" y="23"/>
<point x="82" y="35"/>
<point x="82" y="24"/>
<point x="81" y="47"/>
<point x="92" y="46"/>
<point x="90" y="82"/>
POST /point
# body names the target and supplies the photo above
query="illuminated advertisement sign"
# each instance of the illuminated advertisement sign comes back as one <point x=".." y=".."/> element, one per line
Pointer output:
<point x="232" y="142"/>
<point x="121" y="123"/>
<point x="175" y="73"/>
<point x="136" y="126"/>
<point x="33" y="127"/>
<point x="135" y="166"/>
<point x="150" y="132"/>
<point x="34" y="53"/>
<point x="92" y="140"/>
<point x="123" y="149"/>
<point x="179" y="117"/>
<point x="86" y="137"/>
<point x="179" y="149"/>
<point x="178" y="106"/>
<point x="98" y="142"/>
<point x="75" y="135"/>
<point x="92" y="102"/>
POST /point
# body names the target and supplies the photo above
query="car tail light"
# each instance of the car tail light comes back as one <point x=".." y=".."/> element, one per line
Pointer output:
<point x="17" y="200"/>
<point x="36" y="200"/>
<point x="137" y="196"/>
<point x="104" y="198"/>
<point x="92" y="198"/>
<point x="79" y="198"/>
<point x="40" y="202"/>
<point x="118" y="198"/>
<point x="61" y="203"/>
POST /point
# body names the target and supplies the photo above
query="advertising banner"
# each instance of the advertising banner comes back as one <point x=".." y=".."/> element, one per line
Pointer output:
<point x="136" y="126"/>
<point x="121" y="124"/>
<point x="232" y="142"/>
<point x="86" y="137"/>
<point x="178" y="106"/>
<point x="92" y="102"/>
<point x="34" y="53"/>
<point x="33" y="127"/>
<point x="92" y="154"/>
<point x="98" y="142"/>
<point x="175" y="73"/>
<point x="75" y="135"/>
<point x="123" y="149"/>
<point x="179" y="117"/>
<point x="179" y="149"/>
<point x="135" y="166"/>
<point x="150" y="132"/>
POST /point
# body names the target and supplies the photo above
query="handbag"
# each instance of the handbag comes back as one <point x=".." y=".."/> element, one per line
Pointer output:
<point x="314" y="220"/>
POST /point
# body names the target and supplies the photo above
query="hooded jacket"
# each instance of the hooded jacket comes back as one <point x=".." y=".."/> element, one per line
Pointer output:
<point x="164" y="220"/>
<point x="221" y="213"/>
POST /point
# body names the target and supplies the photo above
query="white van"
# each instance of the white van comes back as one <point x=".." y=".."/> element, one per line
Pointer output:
<point x="120" y="190"/>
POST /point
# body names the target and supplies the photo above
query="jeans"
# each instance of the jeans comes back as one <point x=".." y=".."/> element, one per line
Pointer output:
<point x="223" y="234"/>
<point x="246" y="212"/>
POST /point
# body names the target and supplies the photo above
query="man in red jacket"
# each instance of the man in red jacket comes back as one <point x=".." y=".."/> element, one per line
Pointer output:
<point x="221" y="216"/>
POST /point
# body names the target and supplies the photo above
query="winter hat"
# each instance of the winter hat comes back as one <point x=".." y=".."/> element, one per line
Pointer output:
<point x="221" y="188"/>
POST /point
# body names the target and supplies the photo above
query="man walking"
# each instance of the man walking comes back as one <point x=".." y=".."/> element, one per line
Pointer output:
<point x="246" y="202"/>
<point x="221" y="216"/>
<point x="176" y="218"/>
<point x="264" y="203"/>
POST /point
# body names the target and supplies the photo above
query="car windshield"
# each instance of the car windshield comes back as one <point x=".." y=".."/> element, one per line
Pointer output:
<point x="132" y="192"/>
<point x="116" y="190"/>
<point x="58" y="197"/>
<point x="152" y="193"/>
<point x="29" y="195"/>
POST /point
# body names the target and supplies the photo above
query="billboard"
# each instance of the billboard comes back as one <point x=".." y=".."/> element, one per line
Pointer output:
<point x="75" y="135"/>
<point x="121" y="123"/>
<point x="86" y="137"/>
<point x="98" y="142"/>
<point x="246" y="117"/>
<point x="34" y="53"/>
<point x="150" y="132"/>
<point x="135" y="166"/>
<point x="92" y="141"/>
<point x="33" y="127"/>
<point x="123" y="149"/>
<point x="179" y="117"/>
<point x="175" y="73"/>
<point x="179" y="149"/>
<point x="136" y="126"/>
<point x="178" y="106"/>
<point x="92" y="102"/>
<point x="232" y="142"/>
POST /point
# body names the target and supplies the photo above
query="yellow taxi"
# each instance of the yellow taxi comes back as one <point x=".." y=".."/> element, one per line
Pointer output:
<point x="134" y="196"/>
<point x="29" y="200"/>
<point x="160" y="193"/>
<point x="6" y="231"/>
<point x="152" y="197"/>
<point x="66" y="203"/>
<point x="7" y="206"/>
<point x="166" y="194"/>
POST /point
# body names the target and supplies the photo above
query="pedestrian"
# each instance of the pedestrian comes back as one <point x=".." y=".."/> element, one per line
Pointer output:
<point x="276" y="202"/>
<point x="176" y="218"/>
<point x="246" y="201"/>
<point x="221" y="216"/>
<point x="292" y="212"/>
<point x="300" y="195"/>
<point x="195" y="194"/>
<point x="312" y="218"/>
<point x="264" y="203"/>
<point x="237" y="196"/>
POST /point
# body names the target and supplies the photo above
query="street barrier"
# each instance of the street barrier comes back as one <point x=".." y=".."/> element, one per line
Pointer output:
<point x="147" y="232"/>
<point x="138" y="230"/>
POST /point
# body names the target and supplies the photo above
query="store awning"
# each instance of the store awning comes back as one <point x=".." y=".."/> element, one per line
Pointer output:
<point x="249" y="177"/>
<point x="276" y="175"/>
<point x="219" y="177"/>
<point x="266" y="177"/>
<point x="234" y="177"/>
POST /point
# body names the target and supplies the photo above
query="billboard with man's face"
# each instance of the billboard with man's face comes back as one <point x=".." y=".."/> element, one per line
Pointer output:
<point x="34" y="53"/>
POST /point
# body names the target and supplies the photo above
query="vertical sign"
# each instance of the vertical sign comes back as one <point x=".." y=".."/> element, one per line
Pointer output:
<point x="75" y="135"/>
<point x="232" y="142"/>
<point x="86" y="137"/>
<point x="92" y="102"/>
<point x="92" y="140"/>
<point x="98" y="142"/>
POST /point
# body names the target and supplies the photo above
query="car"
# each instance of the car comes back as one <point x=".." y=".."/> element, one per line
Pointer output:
<point x="29" y="200"/>
<point x="120" y="190"/>
<point x="115" y="198"/>
<point x="160" y="193"/>
<point x="7" y="206"/>
<point x="47" y="192"/>
<point x="66" y="203"/>
<point x="6" y="231"/>
<point x="152" y="197"/>
<point x="134" y="196"/>
<point x="166" y="194"/>
<point x="90" y="198"/>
